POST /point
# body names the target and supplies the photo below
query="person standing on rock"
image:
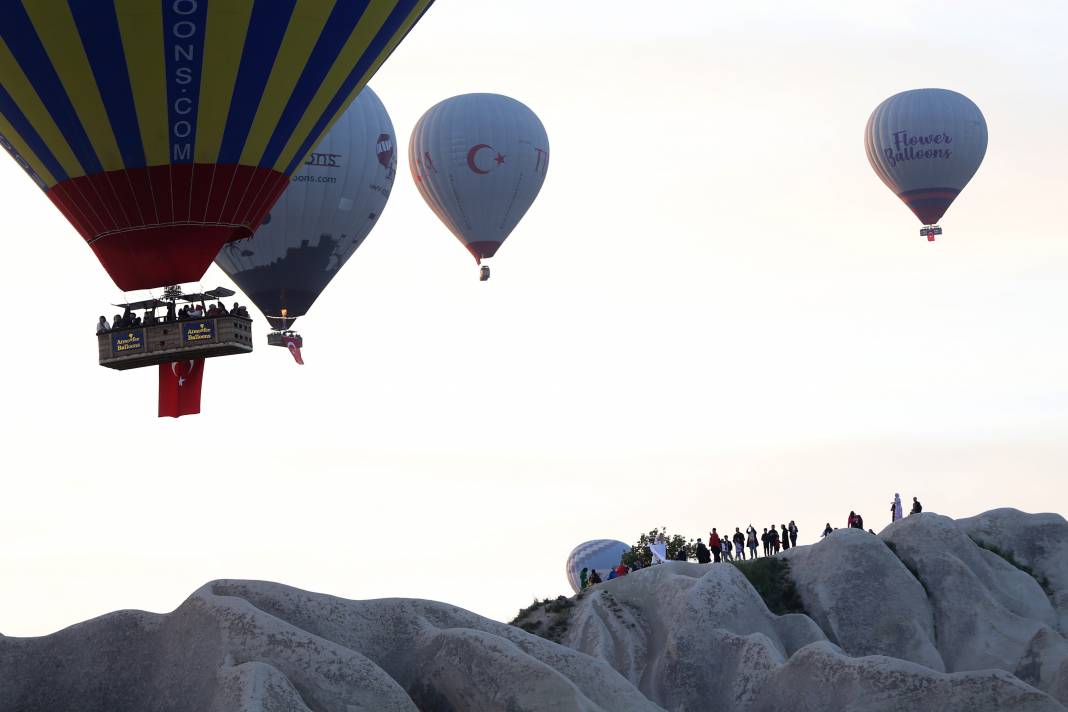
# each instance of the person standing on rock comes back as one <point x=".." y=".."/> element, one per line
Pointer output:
<point x="751" y="541"/>
<point x="785" y="538"/>
<point x="713" y="544"/>
<point x="766" y="541"/>
<point x="793" y="533"/>
<point x="916" y="506"/>
<point x="858" y="522"/>
<point x="584" y="578"/>
<point x="774" y="537"/>
<point x="726" y="544"/>
<point x="895" y="508"/>
<point x="739" y="544"/>
<point x="851" y="522"/>
<point x="703" y="557"/>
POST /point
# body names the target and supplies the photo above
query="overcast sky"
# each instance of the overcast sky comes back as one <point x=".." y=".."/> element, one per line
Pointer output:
<point x="714" y="314"/>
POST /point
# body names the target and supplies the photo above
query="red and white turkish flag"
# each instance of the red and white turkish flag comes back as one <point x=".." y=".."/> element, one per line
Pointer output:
<point x="179" y="388"/>
<point x="293" y="344"/>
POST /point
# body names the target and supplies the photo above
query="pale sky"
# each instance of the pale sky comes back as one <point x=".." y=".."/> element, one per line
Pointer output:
<point x="714" y="314"/>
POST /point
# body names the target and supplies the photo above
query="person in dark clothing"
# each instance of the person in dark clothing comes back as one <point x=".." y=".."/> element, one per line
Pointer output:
<point x="703" y="557"/>
<point x="714" y="545"/>
<point x="858" y="522"/>
<point x="773" y="536"/>
<point x="793" y="533"/>
<point x="916" y="506"/>
<point x="765" y="539"/>
<point x="595" y="578"/>
<point x="739" y="544"/>
<point x="681" y="556"/>
<point x="584" y="576"/>
<point x="827" y="530"/>
<point x="785" y="538"/>
<point x="751" y="541"/>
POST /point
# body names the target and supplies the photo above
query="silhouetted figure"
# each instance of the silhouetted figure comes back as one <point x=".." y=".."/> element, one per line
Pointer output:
<point x="739" y="544"/>
<point x="751" y="541"/>
<point x="827" y="530"/>
<point x="785" y="538"/>
<point x="793" y="533"/>
<point x="595" y="578"/>
<point x="765" y="539"/>
<point x="714" y="546"/>
<point x="703" y="557"/>
<point x="916" y="506"/>
<point x="775" y="543"/>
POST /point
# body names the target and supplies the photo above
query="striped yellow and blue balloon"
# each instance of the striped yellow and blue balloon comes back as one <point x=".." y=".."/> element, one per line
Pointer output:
<point x="163" y="129"/>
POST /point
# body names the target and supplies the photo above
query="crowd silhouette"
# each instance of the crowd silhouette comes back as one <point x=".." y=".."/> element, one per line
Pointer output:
<point x="739" y="545"/>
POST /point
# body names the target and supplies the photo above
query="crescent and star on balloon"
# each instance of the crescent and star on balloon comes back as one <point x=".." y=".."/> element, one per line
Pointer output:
<point x="473" y="152"/>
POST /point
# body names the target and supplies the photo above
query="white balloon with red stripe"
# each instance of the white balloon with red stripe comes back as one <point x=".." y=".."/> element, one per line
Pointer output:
<point x="925" y="145"/>
<point x="479" y="161"/>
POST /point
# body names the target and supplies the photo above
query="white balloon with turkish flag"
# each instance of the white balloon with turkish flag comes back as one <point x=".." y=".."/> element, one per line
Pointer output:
<point x="479" y="161"/>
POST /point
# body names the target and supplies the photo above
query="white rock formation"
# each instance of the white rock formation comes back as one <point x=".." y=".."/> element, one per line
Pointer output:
<point x="918" y="618"/>
<point x="239" y="646"/>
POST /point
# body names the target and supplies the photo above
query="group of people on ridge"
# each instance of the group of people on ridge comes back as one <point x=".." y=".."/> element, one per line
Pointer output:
<point x="130" y="320"/>
<point x="855" y="521"/>
<point x="723" y="547"/>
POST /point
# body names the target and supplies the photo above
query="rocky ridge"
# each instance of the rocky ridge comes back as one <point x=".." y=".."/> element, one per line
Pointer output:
<point x="931" y="614"/>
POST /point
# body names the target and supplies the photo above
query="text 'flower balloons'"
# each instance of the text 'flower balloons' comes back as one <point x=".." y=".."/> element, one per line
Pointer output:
<point x="479" y="161"/>
<point x="925" y="145"/>
<point x="329" y="208"/>
<point x="164" y="128"/>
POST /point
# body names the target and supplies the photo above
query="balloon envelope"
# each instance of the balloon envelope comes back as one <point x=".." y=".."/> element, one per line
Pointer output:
<point x="164" y="128"/>
<point x="479" y="161"/>
<point x="599" y="554"/>
<point x="925" y="145"/>
<point x="332" y="203"/>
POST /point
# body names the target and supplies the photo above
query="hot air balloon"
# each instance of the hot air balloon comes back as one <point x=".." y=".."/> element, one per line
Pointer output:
<point x="479" y="161"/>
<point x="332" y="203"/>
<point x="599" y="554"/>
<point x="163" y="129"/>
<point x="925" y="145"/>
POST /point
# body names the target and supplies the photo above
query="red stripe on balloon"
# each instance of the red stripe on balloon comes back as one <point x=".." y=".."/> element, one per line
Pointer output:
<point x="164" y="225"/>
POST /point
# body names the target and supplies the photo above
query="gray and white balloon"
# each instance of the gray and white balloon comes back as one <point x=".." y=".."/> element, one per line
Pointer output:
<point x="330" y="206"/>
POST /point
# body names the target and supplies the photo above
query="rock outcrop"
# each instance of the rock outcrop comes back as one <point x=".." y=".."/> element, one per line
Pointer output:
<point x="242" y="646"/>
<point x="919" y="618"/>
